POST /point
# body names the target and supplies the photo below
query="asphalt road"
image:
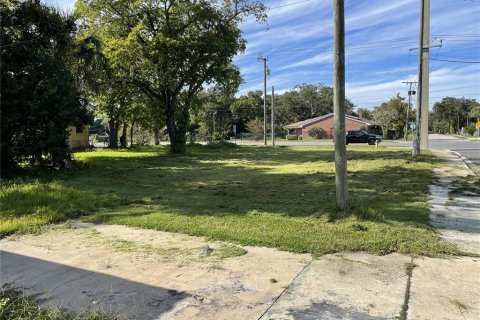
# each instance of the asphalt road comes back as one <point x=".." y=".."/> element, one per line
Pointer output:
<point x="470" y="149"/>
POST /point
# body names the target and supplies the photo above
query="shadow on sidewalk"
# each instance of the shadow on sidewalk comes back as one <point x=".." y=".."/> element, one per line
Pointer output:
<point x="73" y="289"/>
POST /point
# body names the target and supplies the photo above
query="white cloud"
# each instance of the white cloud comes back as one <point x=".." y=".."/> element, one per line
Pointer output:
<point x="317" y="59"/>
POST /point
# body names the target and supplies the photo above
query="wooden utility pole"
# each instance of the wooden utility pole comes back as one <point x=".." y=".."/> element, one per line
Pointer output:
<point x="425" y="52"/>
<point x="264" y="60"/>
<point x="273" y="116"/>
<point x="339" y="103"/>
<point x="420" y="106"/>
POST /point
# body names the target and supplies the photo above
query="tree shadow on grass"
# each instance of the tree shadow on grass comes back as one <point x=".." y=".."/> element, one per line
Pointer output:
<point x="241" y="180"/>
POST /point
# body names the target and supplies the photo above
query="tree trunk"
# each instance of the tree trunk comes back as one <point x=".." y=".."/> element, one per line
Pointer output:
<point x="177" y="128"/>
<point x="131" y="133"/>
<point x="113" y="137"/>
<point x="156" y="132"/>
<point x="6" y="156"/>
<point x="123" y="138"/>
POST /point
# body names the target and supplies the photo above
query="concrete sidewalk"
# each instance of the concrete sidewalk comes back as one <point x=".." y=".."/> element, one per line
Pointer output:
<point x="455" y="205"/>
<point x="105" y="267"/>
<point x="147" y="274"/>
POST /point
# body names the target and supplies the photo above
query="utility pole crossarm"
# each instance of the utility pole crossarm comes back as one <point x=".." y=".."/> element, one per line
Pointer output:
<point x="429" y="47"/>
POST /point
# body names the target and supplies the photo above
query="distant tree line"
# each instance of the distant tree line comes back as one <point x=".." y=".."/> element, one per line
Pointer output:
<point x="451" y="115"/>
<point x="302" y="102"/>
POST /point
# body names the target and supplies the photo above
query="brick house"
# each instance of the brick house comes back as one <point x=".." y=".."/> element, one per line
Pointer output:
<point x="325" y="123"/>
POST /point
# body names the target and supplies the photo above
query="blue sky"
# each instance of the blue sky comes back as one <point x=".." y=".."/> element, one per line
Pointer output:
<point x="297" y="39"/>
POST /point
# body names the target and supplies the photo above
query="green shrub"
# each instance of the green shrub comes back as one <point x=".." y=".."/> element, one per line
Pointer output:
<point x="317" y="133"/>
<point x="292" y="137"/>
<point x="470" y="130"/>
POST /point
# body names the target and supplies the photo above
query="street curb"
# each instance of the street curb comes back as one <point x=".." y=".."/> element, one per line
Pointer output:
<point x="469" y="164"/>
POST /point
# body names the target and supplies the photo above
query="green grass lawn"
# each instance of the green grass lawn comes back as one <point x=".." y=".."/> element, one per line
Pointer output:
<point x="280" y="197"/>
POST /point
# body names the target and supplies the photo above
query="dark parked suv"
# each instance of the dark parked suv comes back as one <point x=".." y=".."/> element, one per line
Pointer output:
<point x="360" y="136"/>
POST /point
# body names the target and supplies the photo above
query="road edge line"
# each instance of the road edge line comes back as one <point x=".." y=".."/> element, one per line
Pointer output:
<point x="469" y="164"/>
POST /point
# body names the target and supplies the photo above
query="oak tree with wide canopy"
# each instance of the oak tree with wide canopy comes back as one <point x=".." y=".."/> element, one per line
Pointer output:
<point x="170" y="49"/>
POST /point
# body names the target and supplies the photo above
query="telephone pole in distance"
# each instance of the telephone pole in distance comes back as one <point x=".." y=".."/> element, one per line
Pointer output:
<point x="264" y="60"/>
<point x="410" y="93"/>
<point x="273" y="116"/>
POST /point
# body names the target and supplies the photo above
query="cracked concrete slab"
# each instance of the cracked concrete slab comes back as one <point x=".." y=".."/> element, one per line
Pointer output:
<point x="345" y="286"/>
<point x="445" y="289"/>
<point x="146" y="274"/>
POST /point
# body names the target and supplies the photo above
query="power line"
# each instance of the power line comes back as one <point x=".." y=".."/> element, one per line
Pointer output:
<point x="398" y="43"/>
<point x="290" y="4"/>
<point x="455" y="88"/>
<point x="457" y="95"/>
<point x="457" y="61"/>
<point x="458" y="57"/>
<point x="456" y="35"/>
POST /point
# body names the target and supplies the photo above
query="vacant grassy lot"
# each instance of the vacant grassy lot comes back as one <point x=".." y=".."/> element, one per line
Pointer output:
<point x="278" y="197"/>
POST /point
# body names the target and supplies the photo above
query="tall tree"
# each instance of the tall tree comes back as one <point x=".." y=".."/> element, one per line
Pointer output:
<point x="170" y="49"/>
<point x="211" y="113"/>
<point x="247" y="107"/>
<point x="392" y="115"/>
<point x="364" y="113"/>
<point x="452" y="113"/>
<point x="307" y="101"/>
<point x="475" y="112"/>
<point x="39" y="94"/>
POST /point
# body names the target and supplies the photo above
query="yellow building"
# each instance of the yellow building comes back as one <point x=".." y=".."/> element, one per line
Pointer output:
<point x="78" y="138"/>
